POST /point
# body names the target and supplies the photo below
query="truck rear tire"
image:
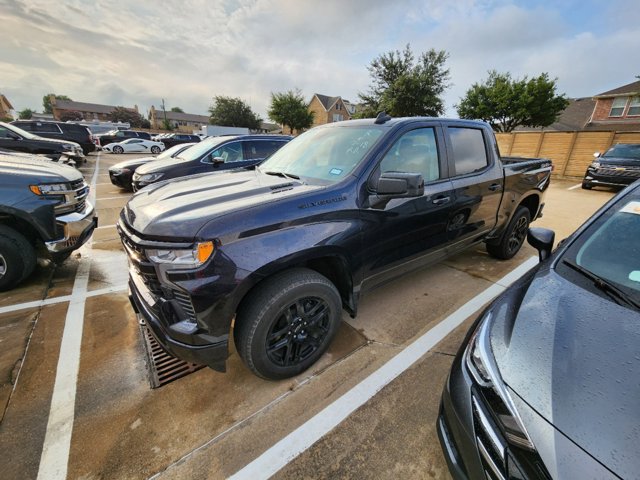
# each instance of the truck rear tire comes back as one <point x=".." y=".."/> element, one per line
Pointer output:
<point x="513" y="237"/>
<point x="287" y="323"/>
<point x="17" y="258"/>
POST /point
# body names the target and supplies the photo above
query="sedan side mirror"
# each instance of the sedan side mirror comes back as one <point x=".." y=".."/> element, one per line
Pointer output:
<point x="542" y="240"/>
<point x="400" y="184"/>
<point x="217" y="161"/>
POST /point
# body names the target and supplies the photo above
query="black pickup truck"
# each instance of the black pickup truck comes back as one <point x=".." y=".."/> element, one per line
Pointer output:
<point x="285" y="246"/>
<point x="43" y="207"/>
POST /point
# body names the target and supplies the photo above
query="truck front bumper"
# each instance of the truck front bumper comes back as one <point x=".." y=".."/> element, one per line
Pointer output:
<point x="77" y="228"/>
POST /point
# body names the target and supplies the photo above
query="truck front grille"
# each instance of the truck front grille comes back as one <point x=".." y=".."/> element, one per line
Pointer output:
<point x="75" y="199"/>
<point x="633" y="172"/>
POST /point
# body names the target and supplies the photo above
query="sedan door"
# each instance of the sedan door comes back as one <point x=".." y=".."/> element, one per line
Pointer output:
<point x="401" y="234"/>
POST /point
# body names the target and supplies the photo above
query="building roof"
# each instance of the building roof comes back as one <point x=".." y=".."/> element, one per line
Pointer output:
<point x="85" y="107"/>
<point x="629" y="89"/>
<point x="182" y="117"/>
<point x="326" y="101"/>
<point x="572" y="118"/>
<point x="6" y="101"/>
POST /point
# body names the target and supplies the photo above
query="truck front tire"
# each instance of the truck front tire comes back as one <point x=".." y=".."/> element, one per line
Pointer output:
<point x="17" y="258"/>
<point x="287" y="323"/>
<point x="513" y="237"/>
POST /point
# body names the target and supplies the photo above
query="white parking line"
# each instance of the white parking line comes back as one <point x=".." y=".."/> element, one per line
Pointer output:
<point x="575" y="186"/>
<point x="287" y="449"/>
<point x="57" y="441"/>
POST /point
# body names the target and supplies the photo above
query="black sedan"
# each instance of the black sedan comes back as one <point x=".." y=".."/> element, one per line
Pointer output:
<point x="618" y="167"/>
<point x="122" y="173"/>
<point x="547" y="382"/>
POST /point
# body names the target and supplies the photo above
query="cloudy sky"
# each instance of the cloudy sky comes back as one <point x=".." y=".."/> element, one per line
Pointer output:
<point x="187" y="51"/>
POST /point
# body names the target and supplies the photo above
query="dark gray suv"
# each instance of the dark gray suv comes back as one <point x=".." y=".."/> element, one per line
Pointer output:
<point x="59" y="131"/>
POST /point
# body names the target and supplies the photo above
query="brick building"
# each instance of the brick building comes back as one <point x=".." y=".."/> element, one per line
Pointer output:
<point x="183" y="122"/>
<point x="89" y="111"/>
<point x="328" y="109"/>
<point x="5" y="108"/>
<point x="617" y="109"/>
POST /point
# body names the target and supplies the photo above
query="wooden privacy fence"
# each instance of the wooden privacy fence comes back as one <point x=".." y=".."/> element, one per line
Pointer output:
<point x="571" y="152"/>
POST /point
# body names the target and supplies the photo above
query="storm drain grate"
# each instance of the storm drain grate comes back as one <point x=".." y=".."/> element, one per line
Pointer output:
<point x="162" y="367"/>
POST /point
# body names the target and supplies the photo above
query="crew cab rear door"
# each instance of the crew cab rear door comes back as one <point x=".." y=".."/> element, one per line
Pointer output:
<point x="400" y="234"/>
<point x="478" y="181"/>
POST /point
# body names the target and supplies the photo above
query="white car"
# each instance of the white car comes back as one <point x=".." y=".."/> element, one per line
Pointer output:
<point x="134" y="145"/>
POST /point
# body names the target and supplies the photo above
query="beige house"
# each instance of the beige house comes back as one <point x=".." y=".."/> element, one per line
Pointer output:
<point x="328" y="109"/>
<point x="89" y="111"/>
<point x="5" y="108"/>
<point x="183" y="122"/>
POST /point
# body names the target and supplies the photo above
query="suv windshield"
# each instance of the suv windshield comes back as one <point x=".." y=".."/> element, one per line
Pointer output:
<point x="610" y="249"/>
<point x="199" y="149"/>
<point x="623" y="151"/>
<point x="327" y="154"/>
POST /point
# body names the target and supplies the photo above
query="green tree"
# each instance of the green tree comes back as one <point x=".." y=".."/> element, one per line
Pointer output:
<point x="290" y="109"/>
<point x="177" y="110"/>
<point x="404" y="87"/>
<point x="46" y="101"/>
<point x="121" y="114"/>
<point x="166" y="125"/>
<point x="25" y="114"/>
<point x="505" y="103"/>
<point x="232" y="112"/>
<point x="71" y="116"/>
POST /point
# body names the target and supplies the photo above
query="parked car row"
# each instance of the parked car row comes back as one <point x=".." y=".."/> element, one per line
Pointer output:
<point x="16" y="139"/>
<point x="211" y="155"/>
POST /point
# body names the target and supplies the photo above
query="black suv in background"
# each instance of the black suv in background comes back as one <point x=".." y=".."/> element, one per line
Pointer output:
<point x="178" y="138"/>
<point x="19" y="140"/>
<point x="211" y="155"/>
<point x="119" y="136"/>
<point x="59" y="131"/>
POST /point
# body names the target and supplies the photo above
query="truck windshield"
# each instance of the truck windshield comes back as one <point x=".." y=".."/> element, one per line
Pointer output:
<point x="325" y="154"/>
<point x="623" y="151"/>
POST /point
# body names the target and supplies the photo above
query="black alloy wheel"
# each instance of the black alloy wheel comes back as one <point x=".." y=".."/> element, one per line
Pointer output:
<point x="513" y="237"/>
<point x="287" y="322"/>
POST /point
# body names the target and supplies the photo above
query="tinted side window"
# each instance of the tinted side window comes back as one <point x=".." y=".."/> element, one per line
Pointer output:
<point x="46" y="128"/>
<point x="6" y="133"/>
<point x="469" y="152"/>
<point x="25" y="126"/>
<point x="258" y="149"/>
<point x="129" y="134"/>
<point x="144" y="135"/>
<point x="414" y="152"/>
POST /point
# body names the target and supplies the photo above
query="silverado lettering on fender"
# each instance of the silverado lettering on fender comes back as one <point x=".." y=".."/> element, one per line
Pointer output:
<point x="285" y="246"/>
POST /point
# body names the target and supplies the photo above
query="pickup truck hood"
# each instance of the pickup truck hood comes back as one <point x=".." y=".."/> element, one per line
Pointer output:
<point x="576" y="367"/>
<point x="41" y="170"/>
<point x="181" y="207"/>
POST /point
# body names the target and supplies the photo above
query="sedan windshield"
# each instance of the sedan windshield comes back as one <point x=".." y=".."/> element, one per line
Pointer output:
<point x="170" y="152"/>
<point x="610" y="249"/>
<point x="623" y="151"/>
<point x="325" y="154"/>
<point x="199" y="149"/>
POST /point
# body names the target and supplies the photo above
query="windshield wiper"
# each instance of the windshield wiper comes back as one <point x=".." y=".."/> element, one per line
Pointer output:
<point x="604" y="285"/>
<point x="282" y="174"/>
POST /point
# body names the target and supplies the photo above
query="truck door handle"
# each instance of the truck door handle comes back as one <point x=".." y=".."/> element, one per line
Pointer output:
<point x="494" y="187"/>
<point x="440" y="201"/>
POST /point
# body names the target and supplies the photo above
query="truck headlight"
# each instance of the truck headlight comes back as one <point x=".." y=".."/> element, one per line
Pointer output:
<point x="482" y="365"/>
<point x="183" y="258"/>
<point x="50" y="189"/>
<point x="595" y="165"/>
<point x="149" y="177"/>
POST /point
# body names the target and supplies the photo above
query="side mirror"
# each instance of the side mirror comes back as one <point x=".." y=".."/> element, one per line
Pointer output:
<point x="542" y="240"/>
<point x="400" y="184"/>
<point x="597" y="154"/>
<point x="217" y="161"/>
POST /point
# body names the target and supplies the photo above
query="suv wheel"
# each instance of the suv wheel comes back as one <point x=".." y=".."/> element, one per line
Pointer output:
<point x="287" y="323"/>
<point x="513" y="237"/>
<point x="17" y="258"/>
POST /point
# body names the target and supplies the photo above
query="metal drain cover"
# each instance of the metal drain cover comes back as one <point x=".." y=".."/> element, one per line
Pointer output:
<point x="162" y="367"/>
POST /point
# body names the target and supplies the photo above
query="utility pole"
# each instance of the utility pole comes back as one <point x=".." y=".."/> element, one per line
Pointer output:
<point x="164" y="111"/>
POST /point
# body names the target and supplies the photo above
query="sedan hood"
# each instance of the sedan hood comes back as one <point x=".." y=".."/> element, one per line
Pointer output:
<point x="159" y="165"/>
<point x="132" y="164"/>
<point x="179" y="208"/>
<point x="578" y="369"/>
